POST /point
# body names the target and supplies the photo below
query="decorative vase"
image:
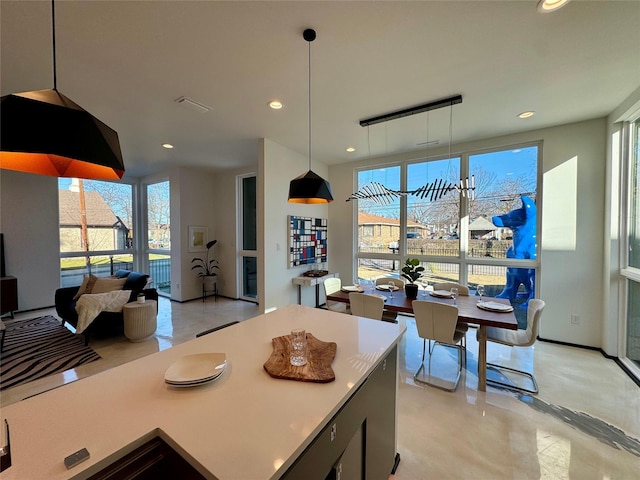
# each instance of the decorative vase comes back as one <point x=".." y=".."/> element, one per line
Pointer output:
<point x="411" y="291"/>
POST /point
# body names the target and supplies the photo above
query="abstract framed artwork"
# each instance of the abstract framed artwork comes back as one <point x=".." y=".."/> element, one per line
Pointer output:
<point x="307" y="240"/>
<point x="198" y="238"/>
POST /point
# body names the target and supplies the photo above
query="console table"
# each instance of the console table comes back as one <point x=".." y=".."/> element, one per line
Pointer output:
<point x="8" y="295"/>
<point x="303" y="281"/>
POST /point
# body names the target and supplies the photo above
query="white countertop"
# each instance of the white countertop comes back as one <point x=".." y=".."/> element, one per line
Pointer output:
<point x="244" y="425"/>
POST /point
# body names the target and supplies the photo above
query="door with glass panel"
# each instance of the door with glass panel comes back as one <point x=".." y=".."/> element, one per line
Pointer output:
<point x="158" y="203"/>
<point x="247" y="235"/>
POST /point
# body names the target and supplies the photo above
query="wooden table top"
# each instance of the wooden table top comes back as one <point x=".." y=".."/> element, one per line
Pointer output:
<point x="468" y="310"/>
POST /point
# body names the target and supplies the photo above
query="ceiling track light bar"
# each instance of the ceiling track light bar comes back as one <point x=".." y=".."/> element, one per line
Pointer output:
<point x="445" y="102"/>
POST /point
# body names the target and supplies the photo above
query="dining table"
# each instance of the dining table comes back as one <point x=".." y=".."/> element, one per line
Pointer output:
<point x="468" y="312"/>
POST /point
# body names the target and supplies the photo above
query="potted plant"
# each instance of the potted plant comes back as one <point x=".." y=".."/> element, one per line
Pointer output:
<point x="412" y="271"/>
<point x="206" y="268"/>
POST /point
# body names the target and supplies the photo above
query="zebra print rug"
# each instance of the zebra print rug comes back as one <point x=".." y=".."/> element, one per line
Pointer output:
<point x="38" y="347"/>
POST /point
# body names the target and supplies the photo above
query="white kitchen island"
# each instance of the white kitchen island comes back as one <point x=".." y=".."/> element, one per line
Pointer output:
<point x="244" y="425"/>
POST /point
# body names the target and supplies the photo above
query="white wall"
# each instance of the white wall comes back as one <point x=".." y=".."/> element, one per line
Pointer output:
<point x="29" y="221"/>
<point x="571" y="244"/>
<point x="192" y="204"/>
<point x="225" y="201"/>
<point x="277" y="166"/>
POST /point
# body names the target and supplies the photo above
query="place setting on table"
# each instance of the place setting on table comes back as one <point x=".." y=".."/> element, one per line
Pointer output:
<point x="388" y="288"/>
<point x="352" y="288"/>
<point x="365" y="287"/>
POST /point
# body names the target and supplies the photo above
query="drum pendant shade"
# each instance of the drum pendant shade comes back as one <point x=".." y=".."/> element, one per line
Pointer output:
<point x="46" y="133"/>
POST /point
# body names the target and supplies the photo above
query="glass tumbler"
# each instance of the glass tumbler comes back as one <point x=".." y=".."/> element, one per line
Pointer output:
<point x="298" y="355"/>
<point x="454" y="295"/>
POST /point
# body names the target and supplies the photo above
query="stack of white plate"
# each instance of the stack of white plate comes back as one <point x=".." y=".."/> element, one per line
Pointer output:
<point x="387" y="287"/>
<point x="495" y="307"/>
<point x="196" y="369"/>
<point x="440" y="293"/>
<point x="352" y="288"/>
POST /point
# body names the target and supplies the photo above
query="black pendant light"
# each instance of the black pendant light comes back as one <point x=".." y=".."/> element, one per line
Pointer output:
<point x="46" y="133"/>
<point x="309" y="187"/>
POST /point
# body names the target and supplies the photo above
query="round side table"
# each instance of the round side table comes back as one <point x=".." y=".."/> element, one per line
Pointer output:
<point x="140" y="320"/>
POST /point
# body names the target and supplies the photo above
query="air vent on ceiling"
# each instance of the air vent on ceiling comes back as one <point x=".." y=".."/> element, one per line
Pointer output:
<point x="192" y="105"/>
<point x="430" y="142"/>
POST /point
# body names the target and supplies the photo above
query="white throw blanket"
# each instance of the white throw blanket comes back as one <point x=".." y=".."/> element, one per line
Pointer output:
<point x="89" y="306"/>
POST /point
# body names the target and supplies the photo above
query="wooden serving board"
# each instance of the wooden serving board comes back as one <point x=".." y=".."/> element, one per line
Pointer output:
<point x="318" y="369"/>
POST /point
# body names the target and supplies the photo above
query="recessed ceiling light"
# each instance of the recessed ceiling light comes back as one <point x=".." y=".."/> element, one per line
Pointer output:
<point x="546" y="6"/>
<point x="527" y="114"/>
<point x="275" y="104"/>
<point x="350" y="149"/>
<point x="167" y="145"/>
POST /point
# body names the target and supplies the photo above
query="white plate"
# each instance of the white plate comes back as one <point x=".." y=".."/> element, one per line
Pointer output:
<point x="192" y="384"/>
<point x="441" y="293"/>
<point x="199" y="367"/>
<point x="196" y="382"/>
<point x="495" y="307"/>
<point x="386" y="287"/>
<point x="352" y="288"/>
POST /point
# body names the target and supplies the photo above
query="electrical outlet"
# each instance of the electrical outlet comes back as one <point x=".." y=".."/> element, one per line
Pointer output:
<point x="575" y="319"/>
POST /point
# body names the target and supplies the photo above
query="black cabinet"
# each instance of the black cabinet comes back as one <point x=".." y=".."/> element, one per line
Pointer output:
<point x="364" y="427"/>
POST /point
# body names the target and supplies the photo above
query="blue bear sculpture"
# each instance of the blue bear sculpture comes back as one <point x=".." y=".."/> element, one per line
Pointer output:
<point x="522" y="223"/>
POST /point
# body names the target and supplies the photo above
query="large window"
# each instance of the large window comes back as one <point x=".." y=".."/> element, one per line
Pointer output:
<point x="96" y="228"/>
<point x="248" y="232"/>
<point x="378" y="225"/>
<point x="159" y="236"/>
<point x="632" y="268"/>
<point x="487" y="239"/>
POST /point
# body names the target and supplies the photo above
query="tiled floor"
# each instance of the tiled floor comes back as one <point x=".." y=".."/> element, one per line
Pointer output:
<point x="584" y="423"/>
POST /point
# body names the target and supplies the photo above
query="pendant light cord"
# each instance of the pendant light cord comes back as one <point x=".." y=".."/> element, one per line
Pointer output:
<point x="309" y="43"/>
<point x="450" y="128"/>
<point x="53" y="33"/>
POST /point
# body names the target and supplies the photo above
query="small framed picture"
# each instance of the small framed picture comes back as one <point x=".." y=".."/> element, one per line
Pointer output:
<point x="198" y="239"/>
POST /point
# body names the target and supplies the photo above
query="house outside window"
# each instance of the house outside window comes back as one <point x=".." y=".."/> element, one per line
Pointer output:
<point x="96" y="228"/>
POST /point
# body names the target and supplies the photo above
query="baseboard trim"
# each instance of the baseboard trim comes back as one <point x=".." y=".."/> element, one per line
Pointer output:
<point x="16" y="312"/>
<point x="624" y="368"/>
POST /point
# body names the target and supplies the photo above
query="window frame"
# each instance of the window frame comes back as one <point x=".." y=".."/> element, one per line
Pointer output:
<point x="463" y="260"/>
<point x="133" y="251"/>
<point x="630" y="130"/>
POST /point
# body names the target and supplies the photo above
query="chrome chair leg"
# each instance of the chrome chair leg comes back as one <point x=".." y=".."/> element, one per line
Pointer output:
<point x="457" y="380"/>
<point x="511" y="386"/>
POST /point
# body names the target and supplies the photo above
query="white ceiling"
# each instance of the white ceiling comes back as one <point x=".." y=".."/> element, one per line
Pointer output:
<point x="127" y="61"/>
